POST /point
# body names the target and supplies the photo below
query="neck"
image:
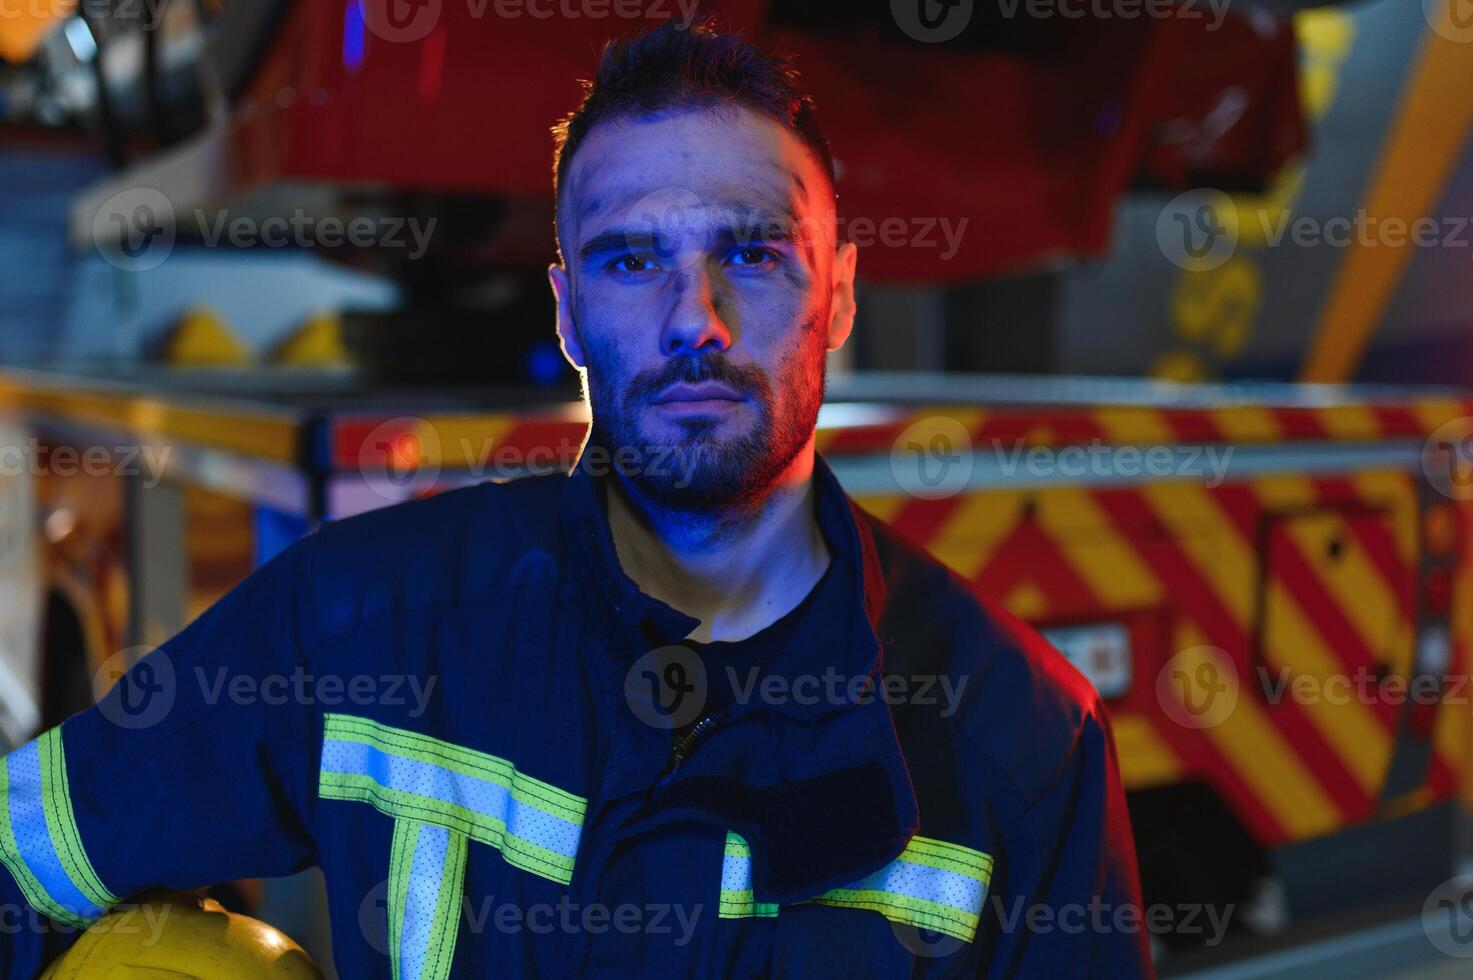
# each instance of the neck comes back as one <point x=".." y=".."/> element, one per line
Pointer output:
<point x="735" y="570"/>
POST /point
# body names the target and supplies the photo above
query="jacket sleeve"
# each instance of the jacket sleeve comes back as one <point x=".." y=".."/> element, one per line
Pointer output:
<point x="196" y="767"/>
<point x="1072" y="907"/>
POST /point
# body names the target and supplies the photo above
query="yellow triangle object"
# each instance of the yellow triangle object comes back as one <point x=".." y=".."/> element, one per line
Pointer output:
<point x="202" y="338"/>
<point x="318" y="343"/>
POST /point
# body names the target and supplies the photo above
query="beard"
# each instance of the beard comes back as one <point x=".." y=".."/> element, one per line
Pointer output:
<point x="698" y="469"/>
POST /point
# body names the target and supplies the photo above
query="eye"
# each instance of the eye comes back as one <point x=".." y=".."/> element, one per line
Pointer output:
<point x="633" y="262"/>
<point x="753" y="257"/>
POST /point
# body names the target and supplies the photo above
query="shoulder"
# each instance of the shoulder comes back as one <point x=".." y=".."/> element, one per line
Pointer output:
<point x="1017" y="700"/>
<point x="462" y="545"/>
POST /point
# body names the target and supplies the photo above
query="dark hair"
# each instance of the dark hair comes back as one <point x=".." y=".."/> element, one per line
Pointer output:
<point x="672" y="67"/>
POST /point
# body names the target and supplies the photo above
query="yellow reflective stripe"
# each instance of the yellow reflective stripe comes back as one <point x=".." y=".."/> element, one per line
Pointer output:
<point x="39" y="840"/>
<point x="737" y="901"/>
<point x="918" y="912"/>
<point x="426" y="879"/>
<point x="933" y="885"/>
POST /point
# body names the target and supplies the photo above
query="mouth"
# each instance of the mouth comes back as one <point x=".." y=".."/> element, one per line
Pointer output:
<point x="704" y="395"/>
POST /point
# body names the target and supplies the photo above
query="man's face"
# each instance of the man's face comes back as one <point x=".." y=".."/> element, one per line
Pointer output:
<point x="701" y="292"/>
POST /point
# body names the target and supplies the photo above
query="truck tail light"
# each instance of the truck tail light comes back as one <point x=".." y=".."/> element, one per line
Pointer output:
<point x="1440" y="529"/>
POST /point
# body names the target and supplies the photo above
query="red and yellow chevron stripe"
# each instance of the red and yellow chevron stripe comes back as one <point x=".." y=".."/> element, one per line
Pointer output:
<point x="1310" y="575"/>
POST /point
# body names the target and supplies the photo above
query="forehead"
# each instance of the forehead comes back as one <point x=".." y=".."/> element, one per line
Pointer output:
<point x="732" y="156"/>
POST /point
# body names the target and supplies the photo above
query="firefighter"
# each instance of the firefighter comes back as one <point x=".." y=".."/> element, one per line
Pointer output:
<point x="683" y="711"/>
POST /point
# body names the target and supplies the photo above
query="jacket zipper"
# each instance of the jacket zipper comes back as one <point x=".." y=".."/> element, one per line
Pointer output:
<point x="685" y="744"/>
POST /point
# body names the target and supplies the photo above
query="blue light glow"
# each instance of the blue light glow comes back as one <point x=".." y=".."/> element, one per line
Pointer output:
<point x="355" y="35"/>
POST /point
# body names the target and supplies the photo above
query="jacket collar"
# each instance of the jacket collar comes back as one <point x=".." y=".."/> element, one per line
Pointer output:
<point x="855" y="613"/>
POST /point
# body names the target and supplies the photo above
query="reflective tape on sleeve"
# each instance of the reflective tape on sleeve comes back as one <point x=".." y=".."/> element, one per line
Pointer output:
<point x="39" y="840"/>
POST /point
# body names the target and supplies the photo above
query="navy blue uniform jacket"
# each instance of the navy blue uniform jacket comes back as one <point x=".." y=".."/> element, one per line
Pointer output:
<point x="434" y="703"/>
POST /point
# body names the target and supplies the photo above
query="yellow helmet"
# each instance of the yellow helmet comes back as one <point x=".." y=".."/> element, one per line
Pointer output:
<point x="182" y="935"/>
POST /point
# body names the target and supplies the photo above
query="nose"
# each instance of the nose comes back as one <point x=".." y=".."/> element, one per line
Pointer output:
<point x="694" y="323"/>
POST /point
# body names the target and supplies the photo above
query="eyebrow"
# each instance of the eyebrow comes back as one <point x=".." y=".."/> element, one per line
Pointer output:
<point x="611" y="242"/>
<point x="758" y="227"/>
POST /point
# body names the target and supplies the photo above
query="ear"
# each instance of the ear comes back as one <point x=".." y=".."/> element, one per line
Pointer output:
<point x="562" y="290"/>
<point x="846" y="256"/>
